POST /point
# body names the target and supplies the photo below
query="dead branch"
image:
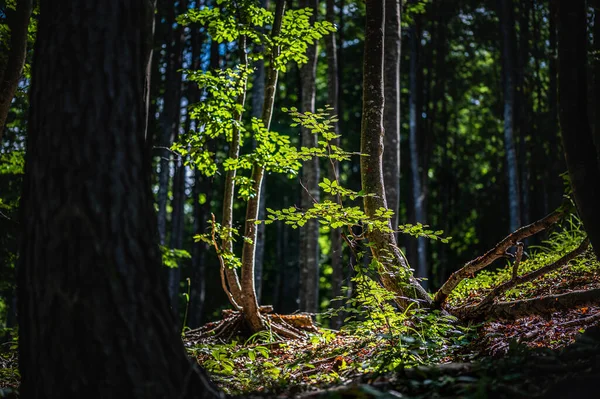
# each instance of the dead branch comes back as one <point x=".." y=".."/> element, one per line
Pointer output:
<point x="497" y="252"/>
<point x="477" y="311"/>
<point x="539" y="306"/>
<point x="584" y="320"/>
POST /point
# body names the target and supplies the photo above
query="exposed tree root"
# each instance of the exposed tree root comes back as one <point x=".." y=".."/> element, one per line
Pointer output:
<point x="233" y="324"/>
<point x="499" y="251"/>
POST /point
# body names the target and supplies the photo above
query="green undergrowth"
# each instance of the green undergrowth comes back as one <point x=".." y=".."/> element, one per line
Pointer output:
<point x="374" y="345"/>
<point x="565" y="238"/>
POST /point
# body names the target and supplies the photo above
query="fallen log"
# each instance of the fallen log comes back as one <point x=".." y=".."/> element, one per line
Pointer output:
<point x="499" y="251"/>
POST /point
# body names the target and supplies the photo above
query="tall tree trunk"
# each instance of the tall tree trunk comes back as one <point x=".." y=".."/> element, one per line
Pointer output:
<point x="337" y="276"/>
<point x="309" y="235"/>
<point x="391" y="118"/>
<point x="507" y="29"/>
<point x="577" y="138"/>
<point x="415" y="152"/>
<point x="10" y="71"/>
<point x="395" y="273"/>
<point x="90" y="287"/>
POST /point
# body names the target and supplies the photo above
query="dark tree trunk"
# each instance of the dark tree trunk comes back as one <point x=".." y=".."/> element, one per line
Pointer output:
<point x="10" y="71"/>
<point x="309" y="235"/>
<point x="596" y="83"/>
<point x="90" y="287"/>
<point x="391" y="118"/>
<point x="415" y="151"/>
<point x="507" y="30"/>
<point x="577" y="138"/>
<point x="337" y="276"/>
<point x="395" y="274"/>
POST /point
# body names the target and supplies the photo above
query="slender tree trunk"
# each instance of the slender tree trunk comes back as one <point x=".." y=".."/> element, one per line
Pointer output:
<point x="507" y="29"/>
<point x="391" y="118"/>
<point x="415" y="152"/>
<point x="337" y="276"/>
<point x="258" y="99"/>
<point x="10" y="71"/>
<point x="90" y="287"/>
<point x="309" y="235"/>
<point x="249" y="300"/>
<point x="395" y="273"/>
<point x="577" y="138"/>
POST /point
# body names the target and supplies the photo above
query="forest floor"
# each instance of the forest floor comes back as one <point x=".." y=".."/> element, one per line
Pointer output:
<point x="551" y="356"/>
<point x="421" y="355"/>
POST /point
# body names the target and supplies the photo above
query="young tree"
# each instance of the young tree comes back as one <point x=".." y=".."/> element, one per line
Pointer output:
<point x="577" y="138"/>
<point x="394" y="270"/>
<point x="12" y="66"/>
<point x="90" y="287"/>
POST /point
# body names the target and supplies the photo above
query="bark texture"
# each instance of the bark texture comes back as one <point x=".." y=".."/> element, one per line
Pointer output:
<point x="10" y="71"/>
<point x="309" y="235"/>
<point x="395" y="274"/>
<point x="90" y="287"/>
<point x="577" y="139"/>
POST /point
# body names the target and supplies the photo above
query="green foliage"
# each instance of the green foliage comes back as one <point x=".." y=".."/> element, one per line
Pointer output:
<point x="171" y="257"/>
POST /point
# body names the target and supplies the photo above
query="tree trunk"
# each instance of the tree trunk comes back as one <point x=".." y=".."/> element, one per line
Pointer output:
<point x="596" y="83"/>
<point x="249" y="299"/>
<point x="577" y="138"/>
<point x="258" y="99"/>
<point x="395" y="273"/>
<point x="391" y="119"/>
<point x="337" y="276"/>
<point x="415" y="152"/>
<point x="10" y="72"/>
<point x="309" y="235"/>
<point x="90" y="287"/>
<point x="507" y="29"/>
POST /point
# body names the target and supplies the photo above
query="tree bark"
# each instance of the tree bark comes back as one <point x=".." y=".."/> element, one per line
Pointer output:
<point x="309" y="235"/>
<point x="10" y="73"/>
<point x="90" y="287"/>
<point x="596" y="83"/>
<point x="391" y="118"/>
<point x="507" y="29"/>
<point x="577" y="138"/>
<point x="336" y="253"/>
<point x="395" y="273"/>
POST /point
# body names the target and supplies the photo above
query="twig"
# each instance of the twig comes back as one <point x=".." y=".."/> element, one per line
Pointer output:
<point x="519" y="255"/>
